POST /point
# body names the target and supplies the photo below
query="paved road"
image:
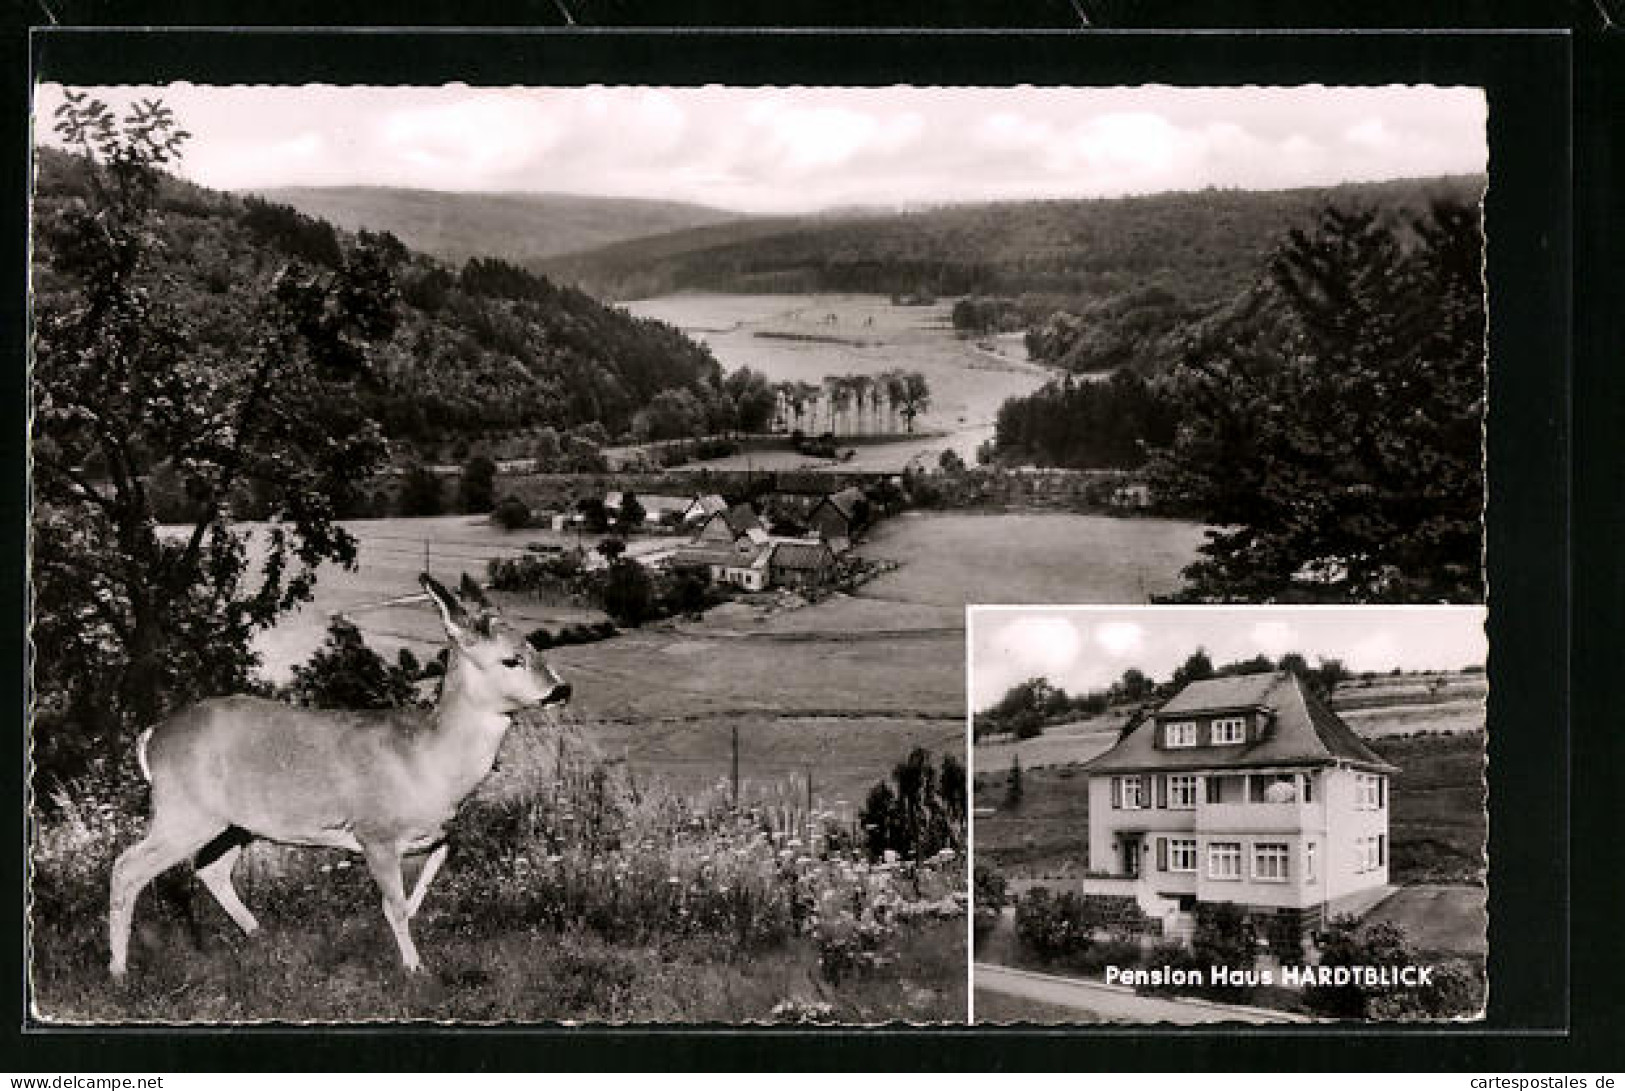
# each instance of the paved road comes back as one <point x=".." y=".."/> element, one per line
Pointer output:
<point x="1115" y="1004"/>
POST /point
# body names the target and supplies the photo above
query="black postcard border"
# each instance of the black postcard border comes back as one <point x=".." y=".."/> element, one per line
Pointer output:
<point x="1528" y="77"/>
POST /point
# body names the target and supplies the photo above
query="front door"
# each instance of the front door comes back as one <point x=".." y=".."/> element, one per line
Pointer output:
<point x="1131" y="857"/>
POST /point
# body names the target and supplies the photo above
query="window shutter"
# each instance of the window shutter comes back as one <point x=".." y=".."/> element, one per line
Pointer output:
<point x="1162" y="854"/>
<point x="1162" y="792"/>
<point x="1117" y="793"/>
<point x="1145" y="789"/>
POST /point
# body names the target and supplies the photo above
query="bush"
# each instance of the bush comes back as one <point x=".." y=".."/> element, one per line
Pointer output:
<point x="512" y="514"/>
<point x="476" y="488"/>
<point x="421" y="494"/>
<point x="1224" y="937"/>
<point x="345" y="673"/>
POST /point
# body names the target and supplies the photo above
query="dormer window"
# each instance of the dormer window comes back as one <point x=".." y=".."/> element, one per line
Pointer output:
<point x="1229" y="731"/>
<point x="1176" y="736"/>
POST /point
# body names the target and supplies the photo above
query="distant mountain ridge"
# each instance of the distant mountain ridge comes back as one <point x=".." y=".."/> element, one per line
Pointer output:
<point x="518" y="227"/>
<point x="1201" y="245"/>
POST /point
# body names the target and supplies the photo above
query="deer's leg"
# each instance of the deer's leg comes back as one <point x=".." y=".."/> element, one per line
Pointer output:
<point x="384" y="861"/>
<point x="431" y="867"/>
<point x="214" y="866"/>
<point x="166" y="844"/>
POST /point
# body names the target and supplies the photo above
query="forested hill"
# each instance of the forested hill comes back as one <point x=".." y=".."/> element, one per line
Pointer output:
<point x="483" y="350"/>
<point x="517" y="227"/>
<point x="1203" y="246"/>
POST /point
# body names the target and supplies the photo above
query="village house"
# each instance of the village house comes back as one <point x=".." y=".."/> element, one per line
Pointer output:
<point x="667" y="510"/>
<point x="838" y="517"/>
<point x="803" y="565"/>
<point x="733" y="546"/>
<point x="1247" y="790"/>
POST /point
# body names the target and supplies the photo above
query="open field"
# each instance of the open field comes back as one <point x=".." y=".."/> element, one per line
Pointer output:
<point x="950" y="559"/>
<point x="849" y="685"/>
<point x="790" y="338"/>
<point x="1438" y="917"/>
<point x="998" y="1007"/>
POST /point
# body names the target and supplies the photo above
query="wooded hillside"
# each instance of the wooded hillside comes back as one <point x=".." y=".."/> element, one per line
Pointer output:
<point x="1202" y="247"/>
<point x="479" y="351"/>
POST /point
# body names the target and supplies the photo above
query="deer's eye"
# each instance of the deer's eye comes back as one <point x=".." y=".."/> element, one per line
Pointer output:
<point x="512" y="661"/>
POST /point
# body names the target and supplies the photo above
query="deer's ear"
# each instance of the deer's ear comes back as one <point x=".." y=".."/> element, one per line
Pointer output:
<point x="451" y="611"/>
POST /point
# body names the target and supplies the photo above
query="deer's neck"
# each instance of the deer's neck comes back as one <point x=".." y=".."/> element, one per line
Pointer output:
<point x="467" y="734"/>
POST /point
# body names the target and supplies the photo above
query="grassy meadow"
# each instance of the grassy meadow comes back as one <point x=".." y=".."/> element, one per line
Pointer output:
<point x="572" y="895"/>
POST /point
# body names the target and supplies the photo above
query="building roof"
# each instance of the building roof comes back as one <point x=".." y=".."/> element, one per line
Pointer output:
<point x="652" y="503"/>
<point x="691" y="553"/>
<point x="1301" y="730"/>
<point x="802" y="556"/>
<point x="1222" y="694"/>
<point x="710" y="504"/>
<point x="741" y="518"/>
<point x="846" y="501"/>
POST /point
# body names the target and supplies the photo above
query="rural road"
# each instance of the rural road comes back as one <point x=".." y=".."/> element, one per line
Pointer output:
<point x="1115" y="1004"/>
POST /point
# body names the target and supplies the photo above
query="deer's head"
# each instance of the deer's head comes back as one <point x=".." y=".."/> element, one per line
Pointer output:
<point x="497" y="662"/>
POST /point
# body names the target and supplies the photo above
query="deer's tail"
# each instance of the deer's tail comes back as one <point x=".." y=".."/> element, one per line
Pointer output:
<point x="141" y="754"/>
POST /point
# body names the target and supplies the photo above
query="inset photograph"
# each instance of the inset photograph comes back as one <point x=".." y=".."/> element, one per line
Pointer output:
<point x="1228" y="814"/>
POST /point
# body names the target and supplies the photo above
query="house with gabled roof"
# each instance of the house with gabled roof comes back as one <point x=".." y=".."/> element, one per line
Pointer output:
<point x="1243" y="789"/>
<point x="803" y="564"/>
<point x="838" y="517"/>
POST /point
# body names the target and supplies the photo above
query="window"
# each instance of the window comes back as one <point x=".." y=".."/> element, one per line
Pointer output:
<point x="1179" y="735"/>
<point x="1130" y="793"/>
<point x="1182" y="793"/>
<point x="1309" y="861"/>
<point x="1182" y="854"/>
<point x="1309" y="787"/>
<point x="1269" y="862"/>
<point x="1229" y="731"/>
<point x="1215" y="789"/>
<point x="1370" y="852"/>
<point x="1224" y="860"/>
<point x="1370" y="791"/>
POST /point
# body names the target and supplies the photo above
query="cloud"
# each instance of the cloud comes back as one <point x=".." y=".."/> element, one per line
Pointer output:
<point x="770" y="150"/>
<point x="1120" y="638"/>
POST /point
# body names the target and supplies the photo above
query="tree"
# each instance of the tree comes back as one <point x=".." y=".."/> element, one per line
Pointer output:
<point x="476" y="489"/>
<point x="920" y="811"/>
<point x="909" y="393"/>
<point x="632" y="513"/>
<point x="627" y="592"/>
<point x="1332" y="420"/>
<point x="1013" y="786"/>
<point x="130" y="622"/>
<point x="1196" y="668"/>
<point x="421" y="493"/>
<point x="1136" y="686"/>
<point x="345" y="673"/>
<point x="611" y="549"/>
<point x="950" y="462"/>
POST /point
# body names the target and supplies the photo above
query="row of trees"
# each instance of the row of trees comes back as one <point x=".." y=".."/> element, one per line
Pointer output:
<point x="1027" y="707"/>
<point x="852" y="404"/>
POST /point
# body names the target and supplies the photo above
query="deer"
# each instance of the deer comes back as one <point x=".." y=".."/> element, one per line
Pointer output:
<point x="228" y="770"/>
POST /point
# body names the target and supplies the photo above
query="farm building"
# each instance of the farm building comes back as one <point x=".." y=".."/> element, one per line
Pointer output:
<point x="839" y="516"/>
<point x="743" y="563"/>
<point x="665" y="509"/>
<point x="731" y="524"/>
<point x="1246" y="790"/>
<point x="1136" y="495"/>
<point x="803" y="565"/>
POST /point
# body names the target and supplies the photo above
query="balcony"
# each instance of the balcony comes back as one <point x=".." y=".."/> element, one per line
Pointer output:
<point x="1289" y="817"/>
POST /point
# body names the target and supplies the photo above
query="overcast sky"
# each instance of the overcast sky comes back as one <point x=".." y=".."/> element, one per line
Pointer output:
<point x="800" y="149"/>
<point x="1085" y="648"/>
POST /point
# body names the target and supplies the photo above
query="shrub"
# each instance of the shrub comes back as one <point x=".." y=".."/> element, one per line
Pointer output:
<point x="345" y="673"/>
<point x="475" y="489"/>
<point x="512" y="514"/>
<point x="1224" y="937"/>
<point x="421" y="493"/>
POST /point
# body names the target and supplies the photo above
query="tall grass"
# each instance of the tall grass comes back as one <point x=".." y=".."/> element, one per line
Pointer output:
<point x="572" y="893"/>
